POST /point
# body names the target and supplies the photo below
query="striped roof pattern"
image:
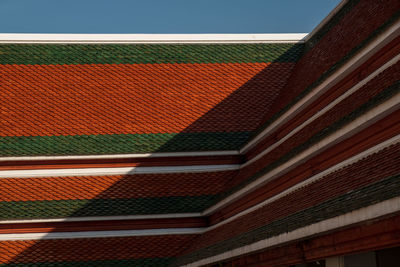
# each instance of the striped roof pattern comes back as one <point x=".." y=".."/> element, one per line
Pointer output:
<point x="112" y="195"/>
<point x="106" y="99"/>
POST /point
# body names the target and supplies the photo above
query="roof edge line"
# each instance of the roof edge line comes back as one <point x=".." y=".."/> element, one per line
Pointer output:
<point x="115" y="171"/>
<point x="108" y="218"/>
<point x="102" y="234"/>
<point x="151" y="38"/>
<point x="326" y="20"/>
<point x="123" y="156"/>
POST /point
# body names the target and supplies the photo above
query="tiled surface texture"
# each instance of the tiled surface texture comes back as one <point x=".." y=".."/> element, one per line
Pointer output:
<point x="55" y="197"/>
<point x="112" y="99"/>
<point x="108" y="99"/>
<point x="356" y="25"/>
<point x="68" y="54"/>
<point x="131" y="251"/>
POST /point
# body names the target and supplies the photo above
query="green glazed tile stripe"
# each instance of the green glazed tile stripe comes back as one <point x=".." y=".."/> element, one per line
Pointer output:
<point x="326" y="74"/>
<point x="378" y="99"/>
<point x="150" y="262"/>
<point x="366" y="196"/>
<point x="52" y="54"/>
<point x="120" y="143"/>
<point x="102" y="207"/>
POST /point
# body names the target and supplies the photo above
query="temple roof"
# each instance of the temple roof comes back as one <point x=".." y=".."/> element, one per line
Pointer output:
<point x="270" y="147"/>
<point x="90" y="99"/>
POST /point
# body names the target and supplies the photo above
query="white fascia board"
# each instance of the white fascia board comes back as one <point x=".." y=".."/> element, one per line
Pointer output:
<point x="151" y="38"/>
<point x="109" y="218"/>
<point x="115" y="171"/>
<point x="102" y="234"/>
<point x="124" y="156"/>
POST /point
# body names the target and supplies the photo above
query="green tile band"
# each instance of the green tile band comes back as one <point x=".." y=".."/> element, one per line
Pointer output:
<point x="366" y="196"/>
<point x="150" y="262"/>
<point x="120" y="143"/>
<point x="52" y="54"/>
<point x="102" y="207"/>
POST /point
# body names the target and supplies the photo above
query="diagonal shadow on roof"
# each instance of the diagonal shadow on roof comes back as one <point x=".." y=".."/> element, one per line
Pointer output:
<point x="237" y="118"/>
<point x="230" y="124"/>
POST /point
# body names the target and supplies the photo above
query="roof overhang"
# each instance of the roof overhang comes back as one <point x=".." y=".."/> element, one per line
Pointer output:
<point x="150" y="38"/>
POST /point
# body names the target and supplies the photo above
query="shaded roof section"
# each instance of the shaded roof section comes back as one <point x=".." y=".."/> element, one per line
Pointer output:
<point x="77" y="99"/>
<point x="110" y="195"/>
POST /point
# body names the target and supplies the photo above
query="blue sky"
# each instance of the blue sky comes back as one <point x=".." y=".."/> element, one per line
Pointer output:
<point x="162" y="16"/>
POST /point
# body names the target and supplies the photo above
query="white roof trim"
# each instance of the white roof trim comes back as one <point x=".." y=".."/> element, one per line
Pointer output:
<point x="123" y="156"/>
<point x="115" y="171"/>
<point x="150" y="38"/>
<point x="102" y="234"/>
<point x="109" y="218"/>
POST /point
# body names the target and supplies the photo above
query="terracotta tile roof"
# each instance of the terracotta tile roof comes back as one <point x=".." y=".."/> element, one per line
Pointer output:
<point x="51" y="197"/>
<point x="24" y="210"/>
<point x="116" y="251"/>
<point x="105" y="99"/>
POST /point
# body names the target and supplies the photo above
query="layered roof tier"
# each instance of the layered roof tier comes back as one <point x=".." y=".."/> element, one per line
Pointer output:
<point x="108" y="99"/>
<point x="273" y="148"/>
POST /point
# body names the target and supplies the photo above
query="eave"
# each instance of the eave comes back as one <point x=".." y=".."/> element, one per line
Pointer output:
<point x="39" y="38"/>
